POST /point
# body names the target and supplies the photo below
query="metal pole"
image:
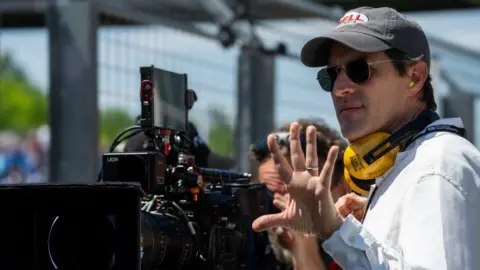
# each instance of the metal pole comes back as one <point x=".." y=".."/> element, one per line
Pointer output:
<point x="462" y="104"/>
<point x="256" y="102"/>
<point x="223" y="15"/>
<point x="72" y="29"/>
<point x="124" y="10"/>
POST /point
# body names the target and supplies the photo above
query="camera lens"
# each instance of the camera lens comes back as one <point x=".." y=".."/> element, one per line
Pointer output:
<point x="82" y="242"/>
<point x="166" y="243"/>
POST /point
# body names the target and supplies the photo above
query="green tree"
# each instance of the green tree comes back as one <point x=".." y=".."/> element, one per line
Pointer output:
<point x="22" y="105"/>
<point x="221" y="133"/>
<point x="113" y="121"/>
<point x="8" y="67"/>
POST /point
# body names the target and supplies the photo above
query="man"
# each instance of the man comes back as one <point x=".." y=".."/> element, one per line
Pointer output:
<point x="295" y="249"/>
<point x="423" y="211"/>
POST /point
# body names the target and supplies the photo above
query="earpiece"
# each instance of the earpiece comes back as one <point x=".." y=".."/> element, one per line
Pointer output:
<point x="411" y="84"/>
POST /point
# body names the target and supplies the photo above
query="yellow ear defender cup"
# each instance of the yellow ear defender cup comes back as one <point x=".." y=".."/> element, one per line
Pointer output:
<point x="358" y="170"/>
<point x="361" y="187"/>
<point x="373" y="155"/>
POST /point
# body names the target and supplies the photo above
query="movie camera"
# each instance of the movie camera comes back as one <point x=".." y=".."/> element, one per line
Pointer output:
<point x="192" y="217"/>
<point x="152" y="209"/>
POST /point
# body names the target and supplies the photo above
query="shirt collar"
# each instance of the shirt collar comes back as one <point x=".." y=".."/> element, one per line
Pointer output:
<point x="457" y="122"/>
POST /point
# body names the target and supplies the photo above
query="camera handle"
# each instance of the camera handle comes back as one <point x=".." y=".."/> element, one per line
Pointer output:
<point x="190" y="98"/>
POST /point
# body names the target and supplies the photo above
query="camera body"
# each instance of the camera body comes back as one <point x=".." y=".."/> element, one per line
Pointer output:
<point x="191" y="217"/>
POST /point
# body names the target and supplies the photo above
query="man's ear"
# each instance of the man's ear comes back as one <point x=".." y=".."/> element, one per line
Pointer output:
<point x="418" y="74"/>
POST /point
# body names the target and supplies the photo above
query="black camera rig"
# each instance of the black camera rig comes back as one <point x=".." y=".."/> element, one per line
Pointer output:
<point x="192" y="217"/>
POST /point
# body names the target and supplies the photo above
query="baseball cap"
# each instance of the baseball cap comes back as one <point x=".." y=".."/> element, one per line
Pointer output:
<point x="369" y="30"/>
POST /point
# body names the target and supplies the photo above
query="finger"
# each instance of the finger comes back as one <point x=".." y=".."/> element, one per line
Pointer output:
<point x="311" y="149"/>
<point x="297" y="155"/>
<point x="273" y="182"/>
<point x="280" y="196"/>
<point x="281" y="200"/>
<point x="358" y="214"/>
<point x="281" y="162"/>
<point x="276" y="188"/>
<point x="346" y="201"/>
<point x="277" y="196"/>
<point x="351" y="204"/>
<point x="342" y="201"/>
<point x="327" y="170"/>
<point x="356" y="202"/>
<point x="355" y="205"/>
<point x="271" y="175"/>
<point x="266" y="222"/>
<point x="343" y="211"/>
<point x="281" y="205"/>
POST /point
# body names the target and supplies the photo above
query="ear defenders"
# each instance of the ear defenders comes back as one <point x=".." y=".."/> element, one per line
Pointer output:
<point x="372" y="156"/>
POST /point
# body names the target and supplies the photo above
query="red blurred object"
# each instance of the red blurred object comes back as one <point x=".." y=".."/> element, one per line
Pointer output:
<point x="146" y="90"/>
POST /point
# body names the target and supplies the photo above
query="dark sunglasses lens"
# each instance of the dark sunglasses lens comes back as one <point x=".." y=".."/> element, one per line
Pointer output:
<point x="358" y="71"/>
<point x="326" y="77"/>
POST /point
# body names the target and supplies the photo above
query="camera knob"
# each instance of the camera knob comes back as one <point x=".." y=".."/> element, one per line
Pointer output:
<point x="170" y="211"/>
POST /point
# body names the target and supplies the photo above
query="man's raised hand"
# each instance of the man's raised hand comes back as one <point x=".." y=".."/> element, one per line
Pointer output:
<point x="310" y="207"/>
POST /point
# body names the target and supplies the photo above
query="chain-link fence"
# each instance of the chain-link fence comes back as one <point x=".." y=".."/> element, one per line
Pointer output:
<point x="211" y="70"/>
<point x="298" y="94"/>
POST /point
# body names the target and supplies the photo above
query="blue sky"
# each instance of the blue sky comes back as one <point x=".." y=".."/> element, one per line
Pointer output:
<point x="212" y="69"/>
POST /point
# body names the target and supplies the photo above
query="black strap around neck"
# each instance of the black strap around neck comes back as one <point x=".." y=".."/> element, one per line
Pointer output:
<point x="402" y="136"/>
<point x="437" y="128"/>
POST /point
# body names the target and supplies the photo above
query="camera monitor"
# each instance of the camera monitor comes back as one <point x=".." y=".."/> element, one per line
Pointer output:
<point x="169" y="93"/>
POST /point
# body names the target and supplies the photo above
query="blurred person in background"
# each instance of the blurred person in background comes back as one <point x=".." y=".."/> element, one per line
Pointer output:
<point x="295" y="249"/>
<point x="37" y="148"/>
<point x="11" y="159"/>
<point x="422" y="211"/>
<point x="24" y="161"/>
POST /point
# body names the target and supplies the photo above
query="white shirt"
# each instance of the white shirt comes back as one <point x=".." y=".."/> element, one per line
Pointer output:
<point x="425" y="213"/>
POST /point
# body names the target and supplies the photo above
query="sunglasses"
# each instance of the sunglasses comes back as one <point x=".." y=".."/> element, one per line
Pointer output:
<point x="358" y="71"/>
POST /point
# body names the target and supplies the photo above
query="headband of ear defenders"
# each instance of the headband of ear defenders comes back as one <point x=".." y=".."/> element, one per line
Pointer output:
<point x="402" y="137"/>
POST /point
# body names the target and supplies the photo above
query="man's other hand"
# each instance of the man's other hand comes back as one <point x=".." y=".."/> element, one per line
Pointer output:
<point x="352" y="204"/>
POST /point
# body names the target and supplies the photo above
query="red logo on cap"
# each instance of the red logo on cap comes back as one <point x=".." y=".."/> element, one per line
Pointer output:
<point x="353" y="17"/>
